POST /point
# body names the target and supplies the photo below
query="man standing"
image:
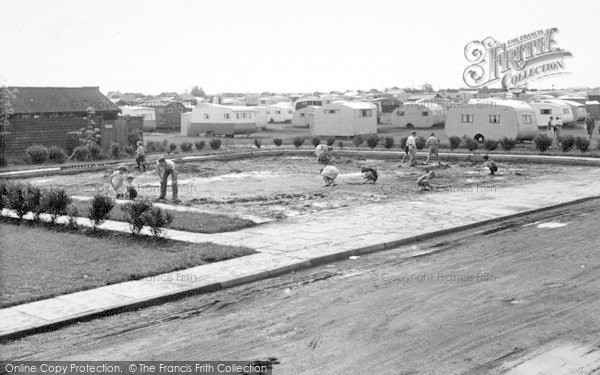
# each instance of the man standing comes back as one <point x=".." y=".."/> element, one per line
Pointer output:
<point x="590" y="124"/>
<point x="411" y="143"/>
<point x="164" y="168"/>
<point x="433" y="145"/>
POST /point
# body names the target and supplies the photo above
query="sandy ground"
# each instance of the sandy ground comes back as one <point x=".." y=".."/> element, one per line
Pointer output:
<point x="516" y="295"/>
<point x="291" y="186"/>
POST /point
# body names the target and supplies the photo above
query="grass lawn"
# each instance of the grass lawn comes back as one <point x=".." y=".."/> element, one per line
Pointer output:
<point x="40" y="262"/>
<point x="187" y="221"/>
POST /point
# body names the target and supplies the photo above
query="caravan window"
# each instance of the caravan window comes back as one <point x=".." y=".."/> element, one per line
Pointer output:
<point x="526" y="119"/>
<point x="566" y="111"/>
<point x="425" y="113"/>
<point x="330" y="112"/>
<point x="244" y="115"/>
<point x="494" y="119"/>
<point x="226" y="116"/>
<point x="277" y="112"/>
<point x="302" y="115"/>
<point x="466" y="118"/>
<point x="400" y="113"/>
<point x="206" y="116"/>
<point x="545" y="111"/>
<point x="365" y="113"/>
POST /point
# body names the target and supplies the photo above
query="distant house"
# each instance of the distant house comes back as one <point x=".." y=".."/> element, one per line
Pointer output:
<point x="44" y="115"/>
<point x="216" y="119"/>
<point x="147" y="114"/>
<point x="189" y="101"/>
<point x="343" y="118"/>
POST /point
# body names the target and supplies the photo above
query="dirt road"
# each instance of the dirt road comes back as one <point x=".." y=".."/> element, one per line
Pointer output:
<point x="478" y="302"/>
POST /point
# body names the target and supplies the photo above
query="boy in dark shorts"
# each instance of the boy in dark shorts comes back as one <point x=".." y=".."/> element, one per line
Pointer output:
<point x="490" y="164"/>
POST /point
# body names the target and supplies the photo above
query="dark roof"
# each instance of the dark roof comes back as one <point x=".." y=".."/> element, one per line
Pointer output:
<point x="60" y="99"/>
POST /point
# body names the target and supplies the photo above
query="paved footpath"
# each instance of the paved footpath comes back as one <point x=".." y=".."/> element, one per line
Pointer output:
<point x="303" y="241"/>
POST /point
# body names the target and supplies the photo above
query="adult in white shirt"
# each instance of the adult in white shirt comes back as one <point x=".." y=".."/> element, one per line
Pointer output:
<point x="411" y="143"/>
<point x="164" y="168"/>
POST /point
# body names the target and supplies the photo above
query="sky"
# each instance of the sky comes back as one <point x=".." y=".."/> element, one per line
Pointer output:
<point x="154" y="46"/>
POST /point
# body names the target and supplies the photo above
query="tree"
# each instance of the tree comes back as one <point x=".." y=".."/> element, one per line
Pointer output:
<point x="6" y="110"/>
<point x="427" y="87"/>
<point x="198" y="92"/>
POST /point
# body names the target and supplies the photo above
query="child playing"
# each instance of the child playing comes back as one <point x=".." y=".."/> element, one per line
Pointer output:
<point x="423" y="181"/>
<point x="140" y="156"/>
<point x="490" y="164"/>
<point x="370" y="174"/>
<point x="117" y="180"/>
<point x="329" y="174"/>
<point x="130" y="189"/>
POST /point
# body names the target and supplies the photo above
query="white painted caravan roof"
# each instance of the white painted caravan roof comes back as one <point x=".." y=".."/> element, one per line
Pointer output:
<point x="285" y="105"/>
<point x="354" y="105"/>
<point x="573" y="103"/>
<point x="558" y="102"/>
<point x="233" y="108"/>
<point x="516" y="104"/>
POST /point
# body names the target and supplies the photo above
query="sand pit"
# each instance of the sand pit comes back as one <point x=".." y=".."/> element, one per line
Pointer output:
<point x="280" y="187"/>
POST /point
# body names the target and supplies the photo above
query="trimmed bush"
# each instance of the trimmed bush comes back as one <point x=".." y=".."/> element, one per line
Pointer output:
<point x="81" y="153"/>
<point x="151" y="146"/>
<point x="298" y="141"/>
<point x="542" y="142"/>
<point x="330" y="141"/>
<point x="199" y="145"/>
<point x="185" y="146"/>
<point x="172" y="147"/>
<point x="257" y="142"/>
<point x="372" y="141"/>
<point x="567" y="142"/>
<point x="134" y="136"/>
<point x="277" y="142"/>
<point x="16" y="195"/>
<point x="129" y="150"/>
<point x="388" y="142"/>
<point x="37" y="154"/>
<point x="164" y="145"/>
<point x="134" y="212"/>
<point x="471" y="144"/>
<point x="490" y="144"/>
<point x="3" y="194"/>
<point x="115" y="150"/>
<point x="315" y="141"/>
<point x="358" y="140"/>
<point x="582" y="143"/>
<point x="55" y="203"/>
<point x="157" y="218"/>
<point x="101" y="207"/>
<point x="57" y="155"/>
<point x="72" y="213"/>
<point x="420" y="142"/>
<point x="454" y="142"/>
<point x="507" y="143"/>
<point x="215" y="143"/>
<point x="341" y="144"/>
<point x="95" y="152"/>
<point x="33" y="199"/>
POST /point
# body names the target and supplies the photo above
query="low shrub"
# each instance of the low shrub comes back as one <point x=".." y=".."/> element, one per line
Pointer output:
<point x="134" y="212"/>
<point x="420" y="142"/>
<point x="358" y="140"/>
<point x="582" y="143"/>
<point x="157" y="219"/>
<point x="388" y="142"/>
<point x="81" y="153"/>
<point x="567" y="142"/>
<point x="101" y="207"/>
<point x="454" y="142"/>
<point x="372" y="140"/>
<point x="172" y="147"/>
<point x="471" y="144"/>
<point x="151" y="146"/>
<point x="3" y="194"/>
<point x="341" y="144"/>
<point x="163" y="146"/>
<point x="507" y="144"/>
<point x="542" y="142"/>
<point x="298" y="141"/>
<point x="57" y="155"/>
<point x="33" y="201"/>
<point x="16" y="195"/>
<point x="330" y="141"/>
<point x="215" y="143"/>
<point x="490" y="144"/>
<point x="129" y="150"/>
<point x="257" y="142"/>
<point x="72" y="214"/>
<point x="185" y="146"/>
<point x="95" y="152"/>
<point x="55" y="203"/>
<point x="115" y="150"/>
<point x="315" y="141"/>
<point x="37" y="154"/>
<point x="199" y="145"/>
<point x="277" y="142"/>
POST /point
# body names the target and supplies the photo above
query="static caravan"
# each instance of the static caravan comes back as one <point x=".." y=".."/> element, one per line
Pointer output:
<point x="280" y="112"/>
<point x="573" y="98"/>
<point x="260" y="115"/>
<point x="579" y="110"/>
<point x="418" y="115"/>
<point x="494" y="119"/>
<point x="593" y="107"/>
<point x="216" y="119"/>
<point x="551" y="108"/>
<point x="148" y="114"/>
<point x="343" y="118"/>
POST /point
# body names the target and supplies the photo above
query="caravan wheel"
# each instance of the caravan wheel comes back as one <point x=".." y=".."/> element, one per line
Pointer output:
<point x="479" y="138"/>
<point x="409" y="126"/>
